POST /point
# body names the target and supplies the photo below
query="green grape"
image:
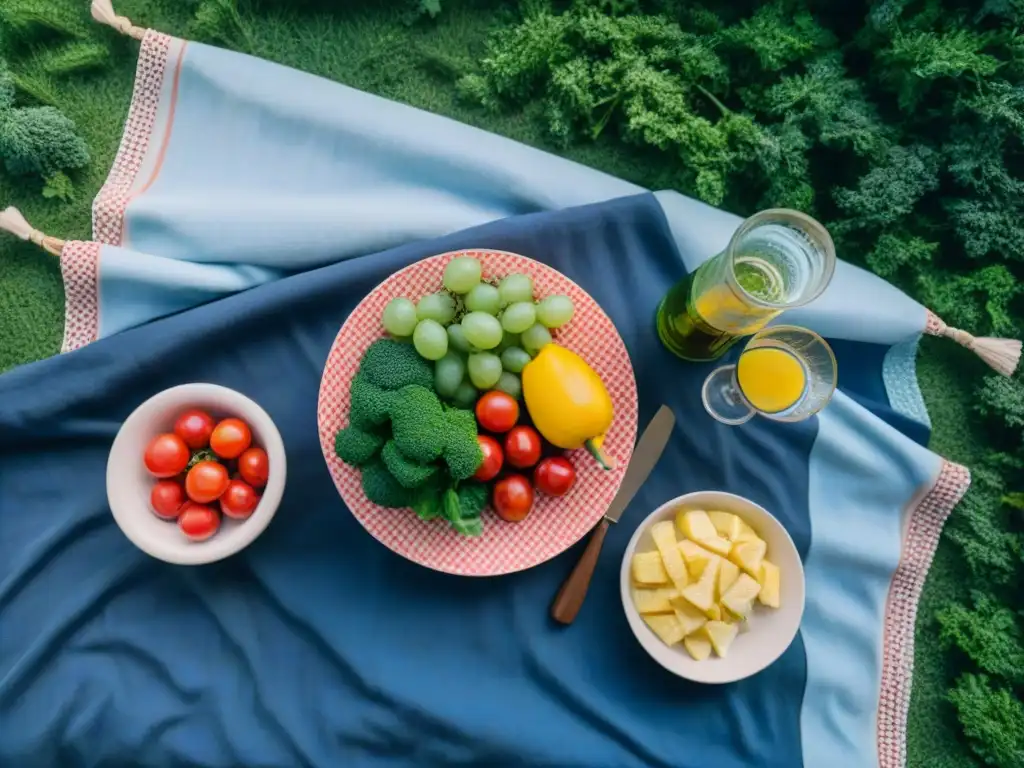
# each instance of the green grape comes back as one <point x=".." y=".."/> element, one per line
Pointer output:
<point x="507" y="340"/>
<point x="461" y="275"/>
<point x="484" y="369"/>
<point x="439" y="307"/>
<point x="515" y="288"/>
<point x="481" y="330"/>
<point x="457" y="339"/>
<point x="465" y="396"/>
<point x="555" y="311"/>
<point x="483" y="298"/>
<point x="399" y="317"/>
<point x="449" y="372"/>
<point x="514" y="359"/>
<point x="509" y="384"/>
<point x="535" y="337"/>
<point x="518" y="317"/>
<point x="430" y="339"/>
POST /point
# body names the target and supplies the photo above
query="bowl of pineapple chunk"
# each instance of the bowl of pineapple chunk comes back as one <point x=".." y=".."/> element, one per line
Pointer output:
<point x="713" y="587"/>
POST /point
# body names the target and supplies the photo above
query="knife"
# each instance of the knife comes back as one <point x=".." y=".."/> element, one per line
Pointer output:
<point x="652" y="444"/>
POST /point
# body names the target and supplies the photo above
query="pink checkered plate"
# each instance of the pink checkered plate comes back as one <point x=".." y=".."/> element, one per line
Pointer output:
<point x="555" y="524"/>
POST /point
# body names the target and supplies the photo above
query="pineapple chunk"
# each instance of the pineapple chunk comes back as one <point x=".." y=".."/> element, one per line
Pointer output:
<point x="727" y="575"/>
<point x="746" y="533"/>
<point x="748" y="555"/>
<point x="717" y="544"/>
<point x="665" y="538"/>
<point x="695" y="557"/>
<point x="697" y="646"/>
<point x="740" y="597"/>
<point x="654" y="600"/>
<point x="702" y="594"/>
<point x="667" y="627"/>
<point x="648" y="569"/>
<point x="689" y="617"/>
<point x="769" y="594"/>
<point x="695" y="524"/>
<point x="727" y="524"/>
<point x="721" y="636"/>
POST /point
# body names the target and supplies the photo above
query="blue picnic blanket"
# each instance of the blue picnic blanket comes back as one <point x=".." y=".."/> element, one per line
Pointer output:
<point x="317" y="646"/>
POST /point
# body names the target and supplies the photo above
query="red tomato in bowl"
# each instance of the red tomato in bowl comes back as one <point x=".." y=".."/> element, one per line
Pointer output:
<point x="195" y="427"/>
<point x="493" y="459"/>
<point x="497" y="412"/>
<point x="198" y="522"/>
<point x="166" y="499"/>
<point x="555" y="476"/>
<point x="239" y="500"/>
<point x="522" y="447"/>
<point x="254" y="467"/>
<point x="230" y="438"/>
<point x="166" y="455"/>
<point x="206" y="482"/>
<point x="513" y="498"/>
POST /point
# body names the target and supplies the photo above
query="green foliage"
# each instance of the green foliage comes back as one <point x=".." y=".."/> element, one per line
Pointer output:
<point x="40" y="141"/>
<point x="75" y="58"/>
<point x="219" y="23"/>
<point x="898" y="123"/>
<point x="992" y="717"/>
<point x="59" y="187"/>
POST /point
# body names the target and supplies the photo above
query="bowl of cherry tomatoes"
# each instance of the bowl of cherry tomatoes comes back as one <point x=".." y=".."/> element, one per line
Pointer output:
<point x="195" y="474"/>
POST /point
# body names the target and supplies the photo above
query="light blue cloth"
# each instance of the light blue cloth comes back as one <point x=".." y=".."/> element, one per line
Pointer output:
<point x="267" y="172"/>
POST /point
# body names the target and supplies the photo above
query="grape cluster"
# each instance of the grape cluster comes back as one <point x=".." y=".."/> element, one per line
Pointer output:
<point x="499" y="328"/>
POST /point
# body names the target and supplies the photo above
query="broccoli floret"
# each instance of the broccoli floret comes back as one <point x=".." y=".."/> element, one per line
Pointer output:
<point x="40" y="140"/>
<point x="408" y="473"/>
<point x="392" y="365"/>
<point x="6" y="87"/>
<point x="462" y="449"/>
<point x="418" y="423"/>
<point x="356" y="446"/>
<point x="472" y="499"/>
<point x="383" y="489"/>
<point x="369" y="404"/>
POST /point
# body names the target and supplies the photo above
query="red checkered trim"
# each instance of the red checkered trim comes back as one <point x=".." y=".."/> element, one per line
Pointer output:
<point x="555" y="523"/>
<point x="934" y="325"/>
<point x="80" y="268"/>
<point x="108" y="209"/>
<point x="926" y="521"/>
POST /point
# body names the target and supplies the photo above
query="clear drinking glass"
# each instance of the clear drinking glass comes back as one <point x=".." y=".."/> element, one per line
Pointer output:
<point x="785" y="373"/>
<point x="777" y="260"/>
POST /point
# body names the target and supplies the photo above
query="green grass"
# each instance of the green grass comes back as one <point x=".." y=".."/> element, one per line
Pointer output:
<point x="377" y="51"/>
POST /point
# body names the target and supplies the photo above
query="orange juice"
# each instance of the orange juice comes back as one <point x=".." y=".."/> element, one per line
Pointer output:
<point x="772" y="379"/>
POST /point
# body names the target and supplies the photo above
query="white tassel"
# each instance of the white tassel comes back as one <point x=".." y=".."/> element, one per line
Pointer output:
<point x="12" y="221"/>
<point x="103" y="12"/>
<point x="1003" y="355"/>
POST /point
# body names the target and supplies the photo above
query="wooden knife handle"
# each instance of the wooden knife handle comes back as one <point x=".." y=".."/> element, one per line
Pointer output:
<point x="570" y="597"/>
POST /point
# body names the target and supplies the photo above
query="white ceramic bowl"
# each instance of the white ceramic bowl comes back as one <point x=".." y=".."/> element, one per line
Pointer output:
<point x="768" y="632"/>
<point x="129" y="484"/>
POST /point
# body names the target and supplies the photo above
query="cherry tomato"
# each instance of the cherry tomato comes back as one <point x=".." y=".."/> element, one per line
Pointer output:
<point x="493" y="458"/>
<point x="554" y="476"/>
<point x="166" y="455"/>
<point x="195" y="428"/>
<point x="522" y="447"/>
<point x="497" y="412"/>
<point x="166" y="499"/>
<point x="198" y="522"/>
<point x="513" y="498"/>
<point x="239" y="500"/>
<point x="254" y="467"/>
<point x="206" y="481"/>
<point x="230" y="438"/>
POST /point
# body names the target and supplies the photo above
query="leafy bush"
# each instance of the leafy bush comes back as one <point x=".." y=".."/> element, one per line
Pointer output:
<point x="899" y="124"/>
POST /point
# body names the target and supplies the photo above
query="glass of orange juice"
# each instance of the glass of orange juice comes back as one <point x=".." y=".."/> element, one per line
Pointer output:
<point x="784" y="373"/>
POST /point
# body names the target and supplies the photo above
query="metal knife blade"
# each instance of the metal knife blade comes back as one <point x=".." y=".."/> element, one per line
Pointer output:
<point x="645" y="456"/>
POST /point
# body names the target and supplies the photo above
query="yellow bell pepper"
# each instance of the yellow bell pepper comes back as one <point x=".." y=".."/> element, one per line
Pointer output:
<point x="568" y="401"/>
